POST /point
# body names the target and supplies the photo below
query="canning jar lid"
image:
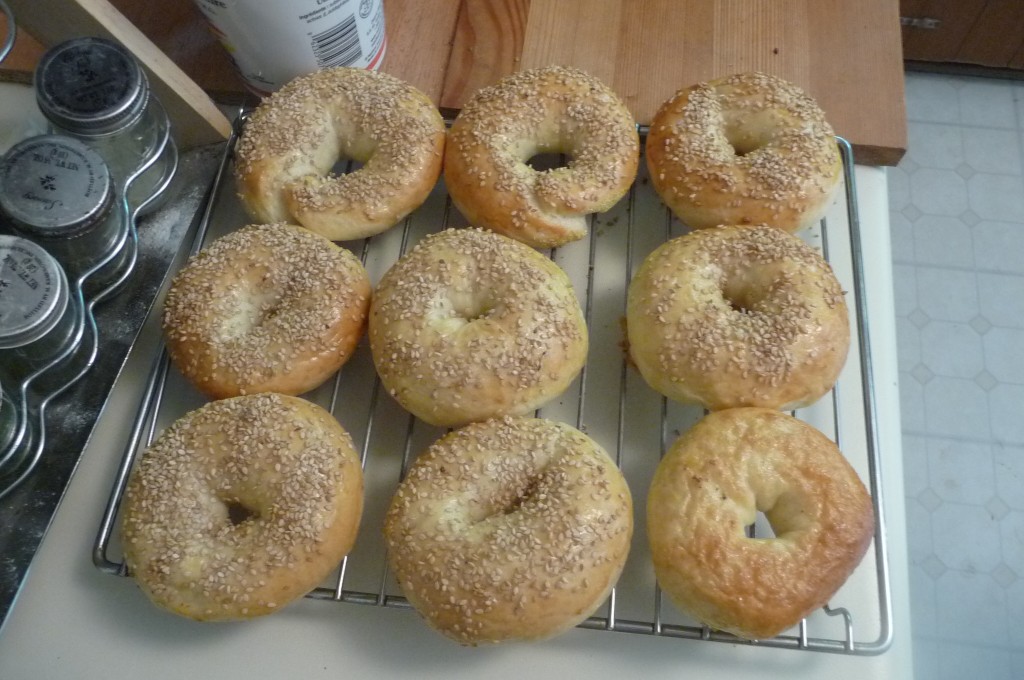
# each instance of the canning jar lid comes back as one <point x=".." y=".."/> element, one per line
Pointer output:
<point x="33" y="292"/>
<point x="53" y="186"/>
<point x="90" y="86"/>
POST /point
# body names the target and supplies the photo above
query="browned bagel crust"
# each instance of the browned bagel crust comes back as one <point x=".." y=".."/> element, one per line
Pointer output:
<point x="287" y="461"/>
<point x="267" y="308"/>
<point x="545" y="110"/>
<point x="747" y="149"/>
<point x="284" y="158"/>
<point x="709" y="488"/>
<point x="510" y="529"/>
<point x="473" y="325"/>
<point x="738" y="316"/>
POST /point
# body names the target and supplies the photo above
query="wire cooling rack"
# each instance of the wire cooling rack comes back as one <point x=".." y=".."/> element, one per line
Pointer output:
<point x="608" y="400"/>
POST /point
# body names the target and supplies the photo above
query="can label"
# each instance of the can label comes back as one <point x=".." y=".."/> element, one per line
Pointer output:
<point x="272" y="42"/>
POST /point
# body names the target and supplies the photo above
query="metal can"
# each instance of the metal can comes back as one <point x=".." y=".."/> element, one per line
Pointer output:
<point x="59" y="192"/>
<point x="93" y="89"/>
<point x="39" y="318"/>
<point x="272" y="42"/>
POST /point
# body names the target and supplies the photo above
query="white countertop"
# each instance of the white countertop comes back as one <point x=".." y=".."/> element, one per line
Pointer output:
<point x="71" y="620"/>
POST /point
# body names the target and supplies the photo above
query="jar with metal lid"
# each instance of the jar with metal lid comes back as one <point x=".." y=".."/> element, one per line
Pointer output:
<point x="94" y="89"/>
<point x="39" y="318"/>
<point x="59" y="192"/>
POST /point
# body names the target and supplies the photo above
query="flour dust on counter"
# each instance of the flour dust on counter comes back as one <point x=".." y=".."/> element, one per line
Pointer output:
<point x="957" y="217"/>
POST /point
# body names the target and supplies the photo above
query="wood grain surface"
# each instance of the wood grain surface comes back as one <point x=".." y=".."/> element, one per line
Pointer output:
<point x="846" y="54"/>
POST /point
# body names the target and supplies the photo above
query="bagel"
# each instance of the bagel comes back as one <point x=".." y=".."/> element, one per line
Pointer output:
<point x="738" y="316"/>
<point x="241" y="506"/>
<point x="295" y="137"/>
<point x="267" y="308"/>
<point x="472" y="325"/>
<point x="546" y="110"/>
<point x="710" y="486"/>
<point x="509" y="529"/>
<point x="747" y="149"/>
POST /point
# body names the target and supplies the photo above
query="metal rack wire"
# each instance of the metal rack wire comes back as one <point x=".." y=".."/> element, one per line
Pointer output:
<point x="608" y="400"/>
<point x="33" y="395"/>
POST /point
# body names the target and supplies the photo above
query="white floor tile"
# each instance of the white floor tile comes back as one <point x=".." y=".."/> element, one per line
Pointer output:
<point x="970" y="607"/>
<point x="999" y="246"/>
<point x="911" y="404"/>
<point x="961" y="471"/>
<point x="952" y="349"/>
<point x="943" y="241"/>
<point x="932" y="98"/>
<point x="908" y="344"/>
<point x="902" y="234"/>
<point x="1015" y="613"/>
<point x="904" y="289"/>
<point x="1004" y="355"/>
<point x="957" y="214"/>
<point x="940" y="192"/>
<point x="1011" y="529"/>
<point x="995" y="151"/>
<point x="1009" y="468"/>
<point x="955" y="407"/>
<point x="1001" y="297"/>
<point x="973" y="662"/>
<point x="933" y="145"/>
<point x="1006" y="405"/>
<point x="992" y="197"/>
<point x="915" y="465"/>
<point x="966" y="538"/>
<point x="947" y="294"/>
<point x="988" y="103"/>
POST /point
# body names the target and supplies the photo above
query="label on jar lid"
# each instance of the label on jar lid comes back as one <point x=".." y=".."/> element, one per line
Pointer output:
<point x="90" y="86"/>
<point x="54" y="186"/>
<point x="33" y="292"/>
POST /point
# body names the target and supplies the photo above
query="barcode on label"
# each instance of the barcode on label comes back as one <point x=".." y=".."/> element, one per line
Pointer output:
<point x="338" y="46"/>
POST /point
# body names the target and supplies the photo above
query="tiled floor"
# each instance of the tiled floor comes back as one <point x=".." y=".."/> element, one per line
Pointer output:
<point x="957" y="208"/>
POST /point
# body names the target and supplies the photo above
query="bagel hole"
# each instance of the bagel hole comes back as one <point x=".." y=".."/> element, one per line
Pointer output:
<point x="344" y="166"/>
<point x="548" y="160"/>
<point x="239" y="513"/>
<point x="742" y="143"/>
<point x="741" y="300"/>
<point x="761" y="528"/>
<point x="472" y="308"/>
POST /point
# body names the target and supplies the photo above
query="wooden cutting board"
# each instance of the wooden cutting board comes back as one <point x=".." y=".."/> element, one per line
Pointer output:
<point x="846" y="54"/>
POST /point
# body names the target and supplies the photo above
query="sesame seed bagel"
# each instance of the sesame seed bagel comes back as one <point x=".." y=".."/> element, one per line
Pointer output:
<point x="295" y="137"/>
<point x="710" y="486"/>
<point x="738" y="316"/>
<point x="747" y="149"/>
<point x="509" y="529"/>
<point x="472" y="325"/>
<point x="241" y="506"/>
<point x="547" y="110"/>
<point x="267" y="308"/>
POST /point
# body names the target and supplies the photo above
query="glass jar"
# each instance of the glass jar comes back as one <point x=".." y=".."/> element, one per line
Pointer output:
<point x="39" y="318"/>
<point x="94" y="89"/>
<point x="58" y="192"/>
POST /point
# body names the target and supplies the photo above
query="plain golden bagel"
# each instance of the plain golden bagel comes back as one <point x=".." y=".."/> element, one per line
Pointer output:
<point x="509" y="529"/>
<point x="545" y="110"/>
<point x="738" y="316"/>
<point x="267" y="308"/>
<point x="284" y="159"/>
<point x="710" y="486"/>
<point x="747" y="149"/>
<point x="242" y="506"/>
<point x="472" y="325"/>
